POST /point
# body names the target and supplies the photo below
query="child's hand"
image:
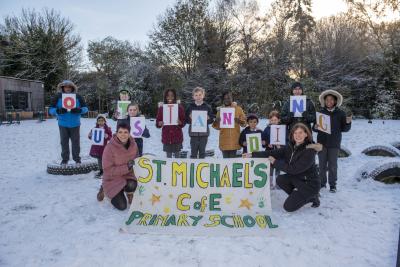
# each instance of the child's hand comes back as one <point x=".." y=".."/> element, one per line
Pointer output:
<point x="105" y="136"/>
<point x="278" y="146"/>
<point x="246" y="155"/>
<point x="270" y="146"/>
<point x="263" y="142"/>
<point x="116" y="114"/>
<point x="272" y="159"/>
<point x="179" y="122"/>
<point x="160" y="124"/>
<point x="349" y="119"/>
<point x="244" y="143"/>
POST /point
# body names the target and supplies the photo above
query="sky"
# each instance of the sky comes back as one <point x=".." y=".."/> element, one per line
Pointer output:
<point x="130" y="20"/>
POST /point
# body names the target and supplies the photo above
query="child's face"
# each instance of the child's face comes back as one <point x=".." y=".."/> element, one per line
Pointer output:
<point x="67" y="89"/>
<point x="274" y="120"/>
<point x="133" y="111"/>
<point x="252" y="123"/>
<point x="330" y="101"/>
<point x="297" y="91"/>
<point x="170" y="97"/>
<point x="198" y="96"/>
<point x="101" y="122"/>
<point x="124" y="96"/>
<point x="228" y="100"/>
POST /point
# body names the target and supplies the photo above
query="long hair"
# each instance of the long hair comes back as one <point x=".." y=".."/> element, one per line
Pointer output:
<point x="165" y="95"/>
<point x="304" y="128"/>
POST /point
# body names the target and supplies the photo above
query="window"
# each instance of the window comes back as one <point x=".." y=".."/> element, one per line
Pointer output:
<point x="16" y="100"/>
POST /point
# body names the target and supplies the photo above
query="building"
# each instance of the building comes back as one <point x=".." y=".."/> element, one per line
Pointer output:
<point x="20" y="95"/>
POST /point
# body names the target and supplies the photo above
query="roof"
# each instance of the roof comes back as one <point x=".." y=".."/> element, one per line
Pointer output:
<point x="13" y="78"/>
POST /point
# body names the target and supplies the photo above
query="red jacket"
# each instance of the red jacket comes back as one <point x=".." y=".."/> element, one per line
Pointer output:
<point x="172" y="134"/>
<point x="115" y="165"/>
<point x="97" y="151"/>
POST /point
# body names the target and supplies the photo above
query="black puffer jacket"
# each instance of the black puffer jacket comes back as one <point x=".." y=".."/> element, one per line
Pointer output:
<point x="202" y="107"/>
<point x="338" y="125"/>
<point x="297" y="161"/>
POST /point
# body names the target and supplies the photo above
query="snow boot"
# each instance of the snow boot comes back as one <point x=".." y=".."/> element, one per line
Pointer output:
<point x="100" y="194"/>
<point x="332" y="189"/>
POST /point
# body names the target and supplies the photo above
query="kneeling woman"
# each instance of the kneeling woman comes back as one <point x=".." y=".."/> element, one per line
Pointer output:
<point x="118" y="161"/>
<point x="297" y="160"/>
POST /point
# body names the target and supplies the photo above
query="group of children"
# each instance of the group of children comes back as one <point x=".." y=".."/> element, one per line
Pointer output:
<point x="230" y="139"/>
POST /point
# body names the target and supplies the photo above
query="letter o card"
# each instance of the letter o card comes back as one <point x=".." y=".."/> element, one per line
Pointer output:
<point x="68" y="101"/>
<point x="278" y="135"/>
<point x="138" y="125"/>
<point x="227" y="116"/>
<point x="98" y="136"/>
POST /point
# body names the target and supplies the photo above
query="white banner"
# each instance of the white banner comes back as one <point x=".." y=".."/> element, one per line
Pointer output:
<point x="138" y="125"/>
<point x="201" y="196"/>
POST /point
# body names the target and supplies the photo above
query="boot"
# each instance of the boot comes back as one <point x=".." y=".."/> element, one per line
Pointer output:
<point x="99" y="174"/>
<point x="129" y="195"/>
<point x="315" y="202"/>
<point x="100" y="194"/>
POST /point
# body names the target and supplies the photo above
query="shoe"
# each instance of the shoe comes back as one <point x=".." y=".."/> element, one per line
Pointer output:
<point x="64" y="163"/>
<point x="100" y="194"/>
<point x="323" y="186"/>
<point x="332" y="189"/>
<point x="78" y="162"/>
<point x="315" y="202"/>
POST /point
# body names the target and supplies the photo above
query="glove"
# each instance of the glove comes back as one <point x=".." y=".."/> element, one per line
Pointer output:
<point x="131" y="163"/>
<point x="61" y="111"/>
<point x="76" y="110"/>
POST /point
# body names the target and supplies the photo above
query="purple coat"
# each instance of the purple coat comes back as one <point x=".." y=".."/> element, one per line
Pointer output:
<point x="97" y="151"/>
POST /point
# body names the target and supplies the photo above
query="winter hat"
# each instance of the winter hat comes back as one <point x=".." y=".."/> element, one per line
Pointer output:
<point x="335" y="94"/>
<point x="252" y="117"/>
<point x="64" y="83"/>
<point x="101" y="116"/>
<point x="125" y="89"/>
<point x="297" y="84"/>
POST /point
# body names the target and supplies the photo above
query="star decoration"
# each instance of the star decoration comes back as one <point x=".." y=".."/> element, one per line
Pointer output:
<point x="167" y="209"/>
<point x="245" y="203"/>
<point x="154" y="199"/>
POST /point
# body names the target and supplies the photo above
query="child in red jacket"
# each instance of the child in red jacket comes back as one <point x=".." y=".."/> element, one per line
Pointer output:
<point x="96" y="151"/>
<point x="172" y="135"/>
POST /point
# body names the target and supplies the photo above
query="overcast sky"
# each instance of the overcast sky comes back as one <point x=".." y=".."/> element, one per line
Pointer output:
<point x="126" y="20"/>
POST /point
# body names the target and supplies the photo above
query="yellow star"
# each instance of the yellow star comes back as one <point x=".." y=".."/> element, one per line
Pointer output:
<point x="251" y="192"/>
<point x="171" y="196"/>
<point x="228" y="199"/>
<point x="245" y="203"/>
<point x="154" y="199"/>
<point x="167" y="209"/>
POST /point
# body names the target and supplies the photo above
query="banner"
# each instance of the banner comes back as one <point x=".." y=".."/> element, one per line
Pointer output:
<point x="68" y="101"/>
<point x="201" y="196"/>
<point x="170" y="114"/>
<point x="98" y="136"/>
<point x="122" y="107"/>
<point x="323" y="122"/>
<point x="254" y="142"/>
<point x="199" y="121"/>
<point x="278" y="135"/>
<point x="227" y="116"/>
<point x="138" y="125"/>
<point x="298" y="105"/>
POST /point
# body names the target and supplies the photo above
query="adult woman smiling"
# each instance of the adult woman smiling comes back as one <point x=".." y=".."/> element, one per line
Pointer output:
<point x="297" y="160"/>
<point x="118" y="161"/>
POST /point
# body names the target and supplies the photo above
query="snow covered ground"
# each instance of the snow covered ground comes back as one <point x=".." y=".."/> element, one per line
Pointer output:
<point x="48" y="220"/>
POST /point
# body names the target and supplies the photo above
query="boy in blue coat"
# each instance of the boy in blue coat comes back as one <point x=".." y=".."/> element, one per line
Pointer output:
<point x="69" y="121"/>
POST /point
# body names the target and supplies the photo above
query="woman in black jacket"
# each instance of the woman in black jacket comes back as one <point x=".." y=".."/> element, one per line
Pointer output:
<point x="297" y="160"/>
